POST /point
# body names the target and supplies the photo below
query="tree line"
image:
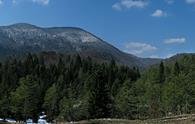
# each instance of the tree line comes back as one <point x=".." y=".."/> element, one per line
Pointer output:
<point x="71" y="89"/>
<point x="168" y="88"/>
<point x="75" y="88"/>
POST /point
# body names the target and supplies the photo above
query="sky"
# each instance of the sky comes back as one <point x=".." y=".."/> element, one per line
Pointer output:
<point x="145" y="28"/>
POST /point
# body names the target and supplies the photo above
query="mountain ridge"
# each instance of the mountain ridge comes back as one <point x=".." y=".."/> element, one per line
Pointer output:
<point x="21" y="38"/>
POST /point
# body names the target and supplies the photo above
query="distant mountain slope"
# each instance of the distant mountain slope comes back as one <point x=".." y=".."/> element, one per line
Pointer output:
<point x="22" y="38"/>
<point x="179" y="57"/>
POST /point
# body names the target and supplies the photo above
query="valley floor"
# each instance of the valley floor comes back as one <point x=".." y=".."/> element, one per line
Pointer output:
<point x="182" y="119"/>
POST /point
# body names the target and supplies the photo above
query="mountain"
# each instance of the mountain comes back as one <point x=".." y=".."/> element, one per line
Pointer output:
<point x="179" y="57"/>
<point x="21" y="38"/>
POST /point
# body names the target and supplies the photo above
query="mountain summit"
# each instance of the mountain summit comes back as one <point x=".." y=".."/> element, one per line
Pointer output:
<point x="22" y="38"/>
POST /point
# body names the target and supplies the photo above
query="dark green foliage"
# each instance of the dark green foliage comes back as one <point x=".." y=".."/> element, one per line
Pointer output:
<point x="126" y="101"/>
<point x="71" y="89"/>
<point x="176" y="68"/>
<point x="76" y="88"/>
<point x="161" y="73"/>
<point x="26" y="98"/>
<point x="168" y="89"/>
<point x="100" y="100"/>
<point x="51" y="101"/>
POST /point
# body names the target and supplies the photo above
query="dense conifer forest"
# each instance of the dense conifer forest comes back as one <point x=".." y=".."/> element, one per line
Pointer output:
<point x="71" y="89"/>
<point x="76" y="88"/>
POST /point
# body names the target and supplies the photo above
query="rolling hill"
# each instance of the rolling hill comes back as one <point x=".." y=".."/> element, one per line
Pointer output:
<point x="22" y="38"/>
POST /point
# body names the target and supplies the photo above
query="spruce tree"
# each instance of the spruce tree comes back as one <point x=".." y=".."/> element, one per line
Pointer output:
<point x="161" y="73"/>
<point x="176" y="69"/>
<point x="100" y="101"/>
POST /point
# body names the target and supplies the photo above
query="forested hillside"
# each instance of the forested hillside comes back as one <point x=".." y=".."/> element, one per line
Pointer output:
<point x="71" y="89"/>
<point x="75" y="88"/>
<point x="168" y="89"/>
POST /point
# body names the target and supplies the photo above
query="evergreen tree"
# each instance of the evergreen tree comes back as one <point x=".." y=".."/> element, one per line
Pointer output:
<point x="51" y="102"/>
<point x="126" y="102"/>
<point x="176" y="68"/>
<point x="100" y="101"/>
<point x="70" y="87"/>
<point x="26" y="98"/>
<point x="161" y="73"/>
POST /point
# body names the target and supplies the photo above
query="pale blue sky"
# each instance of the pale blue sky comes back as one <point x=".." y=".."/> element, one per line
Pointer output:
<point x="146" y="28"/>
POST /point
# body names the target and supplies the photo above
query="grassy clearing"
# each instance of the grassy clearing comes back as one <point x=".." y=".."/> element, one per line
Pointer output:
<point x="132" y="122"/>
<point x="182" y="119"/>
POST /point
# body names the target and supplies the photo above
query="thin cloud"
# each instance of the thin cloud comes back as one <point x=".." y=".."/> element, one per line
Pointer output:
<point x="170" y="55"/>
<point x="41" y="2"/>
<point x="1" y="2"/>
<point x="175" y="40"/>
<point x="154" y="56"/>
<point x="139" y="48"/>
<point x="170" y="1"/>
<point x="134" y="3"/>
<point x="15" y="1"/>
<point x="158" y="13"/>
<point x="128" y="4"/>
<point x="117" y="6"/>
<point x="190" y="1"/>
